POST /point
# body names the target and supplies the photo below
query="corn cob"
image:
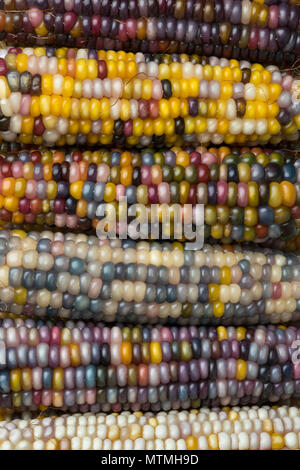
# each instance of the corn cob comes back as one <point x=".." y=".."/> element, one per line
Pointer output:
<point x="276" y="2"/>
<point x="248" y="196"/>
<point x="76" y="276"/>
<point x="244" y="428"/>
<point x="198" y="9"/>
<point x="80" y="366"/>
<point x="223" y="28"/>
<point x="104" y="99"/>
<point x="284" y="245"/>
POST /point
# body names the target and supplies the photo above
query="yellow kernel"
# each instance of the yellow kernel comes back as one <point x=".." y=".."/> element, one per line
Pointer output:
<point x="241" y="369"/>
<point x="191" y="443"/>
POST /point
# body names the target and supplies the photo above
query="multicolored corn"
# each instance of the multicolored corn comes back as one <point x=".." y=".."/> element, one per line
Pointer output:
<point x="233" y="29"/>
<point x="248" y="195"/>
<point x="86" y="97"/>
<point x="78" y="276"/>
<point x="82" y="366"/>
<point x="242" y="428"/>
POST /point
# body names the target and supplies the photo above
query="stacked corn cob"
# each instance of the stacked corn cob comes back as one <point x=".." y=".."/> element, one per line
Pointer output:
<point x="79" y="366"/>
<point x="242" y="428"/>
<point x="225" y="28"/>
<point x="248" y="195"/>
<point x="86" y="97"/>
<point x="75" y="276"/>
<point x="195" y="94"/>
